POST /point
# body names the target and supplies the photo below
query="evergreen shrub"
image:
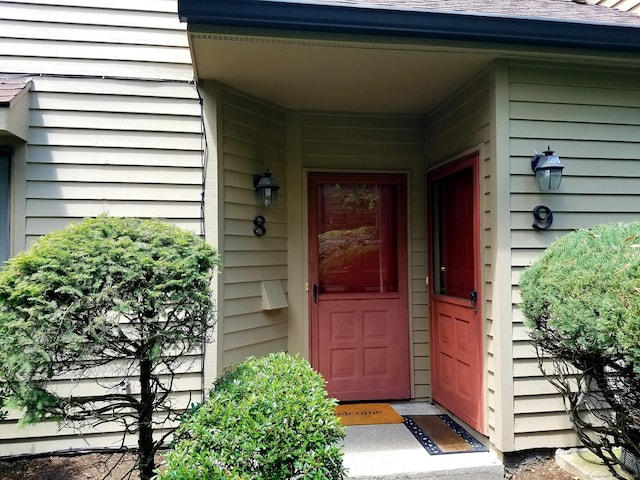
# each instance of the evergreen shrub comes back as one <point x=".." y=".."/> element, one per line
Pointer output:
<point x="267" y="418"/>
<point x="123" y="303"/>
<point x="583" y="294"/>
<point x="581" y="299"/>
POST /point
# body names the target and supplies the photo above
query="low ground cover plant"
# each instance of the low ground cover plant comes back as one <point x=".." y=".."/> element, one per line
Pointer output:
<point x="267" y="418"/>
<point x="582" y="304"/>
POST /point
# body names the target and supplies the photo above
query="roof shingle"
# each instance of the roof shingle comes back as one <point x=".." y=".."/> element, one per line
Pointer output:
<point x="10" y="89"/>
<point x="550" y="10"/>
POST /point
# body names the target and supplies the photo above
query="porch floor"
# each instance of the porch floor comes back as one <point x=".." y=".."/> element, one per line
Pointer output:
<point x="381" y="452"/>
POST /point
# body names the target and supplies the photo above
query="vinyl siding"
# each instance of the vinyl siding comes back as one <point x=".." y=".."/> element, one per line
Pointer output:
<point x="125" y="39"/>
<point x="378" y="143"/>
<point x="114" y="126"/>
<point x="591" y="118"/>
<point x="252" y="138"/>
<point x="459" y="125"/>
<point x="91" y="152"/>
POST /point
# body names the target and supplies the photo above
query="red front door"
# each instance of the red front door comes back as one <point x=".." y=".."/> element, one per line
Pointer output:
<point x="455" y="330"/>
<point x="358" y="285"/>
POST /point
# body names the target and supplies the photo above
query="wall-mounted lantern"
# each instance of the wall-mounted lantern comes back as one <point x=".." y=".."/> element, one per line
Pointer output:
<point x="267" y="189"/>
<point x="548" y="170"/>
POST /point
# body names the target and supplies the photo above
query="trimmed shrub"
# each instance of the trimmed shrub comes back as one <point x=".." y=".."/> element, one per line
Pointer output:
<point x="266" y="419"/>
<point x="582" y="304"/>
<point x="585" y="292"/>
<point x="127" y="296"/>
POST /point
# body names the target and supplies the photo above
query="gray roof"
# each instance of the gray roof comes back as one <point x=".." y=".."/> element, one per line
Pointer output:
<point x="10" y="89"/>
<point x="549" y="23"/>
<point x="554" y="10"/>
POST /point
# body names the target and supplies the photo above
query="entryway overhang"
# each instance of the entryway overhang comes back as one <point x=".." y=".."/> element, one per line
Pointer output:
<point x="556" y="23"/>
<point x="350" y="56"/>
<point x="337" y="73"/>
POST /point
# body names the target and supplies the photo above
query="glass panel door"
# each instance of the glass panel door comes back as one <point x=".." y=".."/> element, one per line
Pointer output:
<point x="357" y="241"/>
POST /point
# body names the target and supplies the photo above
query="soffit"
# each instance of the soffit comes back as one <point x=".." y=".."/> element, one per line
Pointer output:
<point x="446" y="43"/>
<point x="337" y="76"/>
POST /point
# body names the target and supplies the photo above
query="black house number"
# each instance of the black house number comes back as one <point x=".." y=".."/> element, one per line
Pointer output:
<point x="543" y="217"/>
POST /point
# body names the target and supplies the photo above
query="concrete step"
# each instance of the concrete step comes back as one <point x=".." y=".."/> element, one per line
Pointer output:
<point x="387" y="452"/>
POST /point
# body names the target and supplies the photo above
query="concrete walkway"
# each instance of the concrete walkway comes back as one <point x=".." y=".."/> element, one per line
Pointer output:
<point x="387" y="452"/>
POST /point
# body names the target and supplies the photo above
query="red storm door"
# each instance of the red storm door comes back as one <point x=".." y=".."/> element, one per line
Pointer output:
<point x="358" y="285"/>
<point x="455" y="330"/>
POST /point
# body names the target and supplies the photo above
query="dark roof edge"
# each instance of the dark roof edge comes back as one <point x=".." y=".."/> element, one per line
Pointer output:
<point x="290" y="15"/>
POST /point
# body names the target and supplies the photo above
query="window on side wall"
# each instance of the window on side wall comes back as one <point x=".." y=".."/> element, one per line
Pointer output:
<point x="5" y="206"/>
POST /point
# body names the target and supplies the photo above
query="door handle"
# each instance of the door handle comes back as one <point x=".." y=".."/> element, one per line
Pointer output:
<point x="473" y="296"/>
<point x="315" y="294"/>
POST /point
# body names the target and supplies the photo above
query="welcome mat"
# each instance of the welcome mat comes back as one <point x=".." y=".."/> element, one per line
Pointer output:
<point x="367" y="414"/>
<point x="439" y="434"/>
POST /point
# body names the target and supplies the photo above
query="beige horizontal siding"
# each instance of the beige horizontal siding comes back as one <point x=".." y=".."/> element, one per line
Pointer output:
<point x="66" y="440"/>
<point x="258" y="347"/>
<point x="460" y="123"/>
<point x="83" y="174"/>
<point x="592" y="120"/>
<point x="115" y="156"/>
<point x="141" y="160"/>
<point x="20" y="29"/>
<point x="65" y="49"/>
<point x="135" y="39"/>
<point x="143" y="122"/>
<point x="40" y="226"/>
<point x="75" y="101"/>
<point x="252" y="138"/>
<point x="87" y="208"/>
<point x="115" y="126"/>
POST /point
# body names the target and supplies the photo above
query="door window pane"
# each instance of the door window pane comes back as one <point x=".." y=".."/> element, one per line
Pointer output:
<point x="453" y="253"/>
<point x="357" y="238"/>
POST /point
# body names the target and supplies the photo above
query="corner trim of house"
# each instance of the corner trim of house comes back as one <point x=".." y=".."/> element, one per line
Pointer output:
<point x="504" y="431"/>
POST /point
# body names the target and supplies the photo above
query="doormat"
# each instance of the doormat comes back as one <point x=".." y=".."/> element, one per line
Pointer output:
<point x="367" y="414"/>
<point x="439" y="434"/>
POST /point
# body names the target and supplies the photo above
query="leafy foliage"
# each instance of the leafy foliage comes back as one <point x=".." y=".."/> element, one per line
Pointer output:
<point x="587" y="288"/>
<point x="266" y="419"/>
<point x="357" y="198"/>
<point x="582" y="303"/>
<point x="118" y="296"/>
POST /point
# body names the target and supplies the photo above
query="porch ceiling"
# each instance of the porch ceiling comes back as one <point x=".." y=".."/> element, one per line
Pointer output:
<point x="336" y="75"/>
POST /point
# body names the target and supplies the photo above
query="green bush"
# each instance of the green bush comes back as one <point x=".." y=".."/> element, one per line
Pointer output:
<point x="127" y="296"/>
<point x="266" y="419"/>
<point x="585" y="292"/>
<point x="582" y="303"/>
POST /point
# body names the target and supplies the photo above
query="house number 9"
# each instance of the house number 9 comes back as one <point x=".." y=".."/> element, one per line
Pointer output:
<point x="543" y="217"/>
